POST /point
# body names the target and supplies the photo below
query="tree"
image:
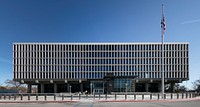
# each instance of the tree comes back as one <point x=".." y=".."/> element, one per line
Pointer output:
<point x="177" y="88"/>
<point x="2" y="87"/>
<point x="14" y="85"/>
<point x="11" y="83"/>
<point x="180" y="88"/>
<point x="196" y="85"/>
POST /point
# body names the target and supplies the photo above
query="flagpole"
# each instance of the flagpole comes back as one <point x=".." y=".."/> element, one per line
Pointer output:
<point x="163" y="28"/>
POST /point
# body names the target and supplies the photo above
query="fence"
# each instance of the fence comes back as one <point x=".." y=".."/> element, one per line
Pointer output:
<point x="66" y="96"/>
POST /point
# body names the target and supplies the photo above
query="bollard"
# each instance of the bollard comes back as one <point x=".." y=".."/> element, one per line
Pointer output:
<point x="21" y="97"/>
<point x="62" y="97"/>
<point x="9" y="97"/>
<point x="94" y="96"/>
<point x="190" y="95"/>
<point x="79" y="96"/>
<point x="150" y="96"/>
<point x="106" y="96"/>
<point x="186" y="95"/>
<point x="182" y="95"/>
<point x="115" y="97"/>
<point x="158" y="96"/>
<point x="28" y="96"/>
<point x="99" y="96"/>
<point x="171" y="96"/>
<point x="45" y="97"/>
<point x="125" y="96"/>
<point x="15" y="97"/>
<point x="54" y="97"/>
<point x="71" y="97"/>
<point x="142" y="96"/>
<point x="164" y="96"/>
<point x="134" y="96"/>
<point x="195" y="95"/>
<point x="177" y="95"/>
<point x="86" y="96"/>
<point x="36" y="96"/>
<point x="4" y="96"/>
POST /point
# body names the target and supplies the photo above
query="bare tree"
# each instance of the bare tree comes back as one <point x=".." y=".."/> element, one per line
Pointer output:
<point x="14" y="85"/>
<point x="196" y="85"/>
<point x="2" y="87"/>
<point x="11" y="83"/>
<point x="180" y="88"/>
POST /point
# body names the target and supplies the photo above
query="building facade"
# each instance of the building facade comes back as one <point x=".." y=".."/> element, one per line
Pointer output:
<point x="99" y="67"/>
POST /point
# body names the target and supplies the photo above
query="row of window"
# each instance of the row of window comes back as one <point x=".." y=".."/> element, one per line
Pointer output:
<point x="99" y="61"/>
<point x="98" y="54"/>
<point x="94" y="75"/>
<point x="102" y="68"/>
<point x="96" y="47"/>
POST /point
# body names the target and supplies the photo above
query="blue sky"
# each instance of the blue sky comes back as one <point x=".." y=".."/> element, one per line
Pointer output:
<point x="97" y="21"/>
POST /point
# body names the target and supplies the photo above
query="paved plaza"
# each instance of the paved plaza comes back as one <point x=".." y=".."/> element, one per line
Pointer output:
<point x="194" y="103"/>
<point x="171" y="100"/>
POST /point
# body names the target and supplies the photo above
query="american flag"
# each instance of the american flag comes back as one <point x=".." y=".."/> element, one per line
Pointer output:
<point x="163" y="23"/>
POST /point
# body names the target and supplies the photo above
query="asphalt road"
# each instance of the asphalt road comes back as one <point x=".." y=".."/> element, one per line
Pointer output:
<point x="107" y="104"/>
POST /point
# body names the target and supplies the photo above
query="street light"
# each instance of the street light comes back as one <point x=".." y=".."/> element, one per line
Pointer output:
<point x="70" y="87"/>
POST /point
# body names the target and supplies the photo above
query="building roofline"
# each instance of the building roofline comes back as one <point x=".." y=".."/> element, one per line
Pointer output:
<point x="80" y="43"/>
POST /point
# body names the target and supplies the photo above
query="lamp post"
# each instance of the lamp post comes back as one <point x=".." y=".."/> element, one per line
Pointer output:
<point x="70" y="89"/>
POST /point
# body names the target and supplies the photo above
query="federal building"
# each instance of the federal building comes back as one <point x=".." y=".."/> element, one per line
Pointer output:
<point x="99" y="67"/>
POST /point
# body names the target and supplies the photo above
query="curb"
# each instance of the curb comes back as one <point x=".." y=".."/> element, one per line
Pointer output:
<point x="175" y="100"/>
<point x="64" y="101"/>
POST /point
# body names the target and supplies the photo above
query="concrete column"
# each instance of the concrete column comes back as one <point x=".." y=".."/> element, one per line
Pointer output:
<point x="147" y="87"/>
<point x="133" y="86"/>
<point x="159" y="87"/>
<point x="42" y="88"/>
<point x="172" y="87"/>
<point x="81" y="87"/>
<point x="39" y="88"/>
<point x="29" y="88"/>
<point x="68" y="87"/>
<point x="55" y="88"/>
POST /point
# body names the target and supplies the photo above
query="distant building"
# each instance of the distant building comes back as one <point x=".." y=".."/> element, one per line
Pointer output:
<point x="99" y="67"/>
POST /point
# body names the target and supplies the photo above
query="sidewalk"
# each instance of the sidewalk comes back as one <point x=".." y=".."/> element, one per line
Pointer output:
<point x="161" y="100"/>
<point x="97" y="100"/>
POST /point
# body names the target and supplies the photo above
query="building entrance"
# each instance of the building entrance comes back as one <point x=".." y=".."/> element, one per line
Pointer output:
<point x="62" y="88"/>
<point x="153" y="87"/>
<point x="49" y="88"/>
<point x="75" y="88"/>
<point x="97" y="87"/>
<point x="140" y="87"/>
